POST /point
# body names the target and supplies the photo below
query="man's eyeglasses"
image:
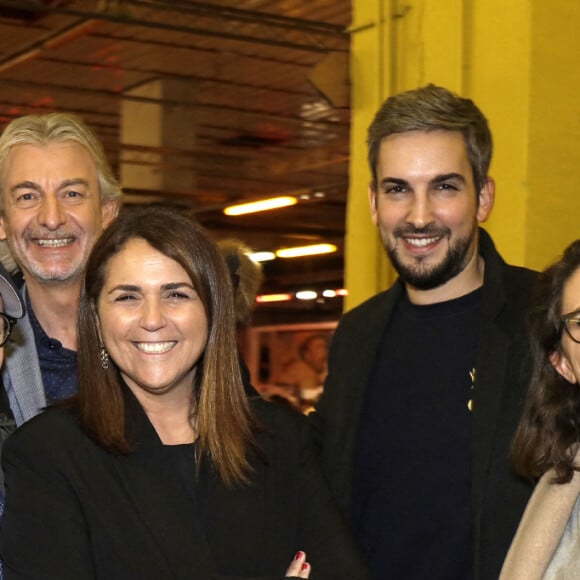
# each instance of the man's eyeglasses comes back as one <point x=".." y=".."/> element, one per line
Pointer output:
<point x="6" y="325"/>
<point x="571" y="323"/>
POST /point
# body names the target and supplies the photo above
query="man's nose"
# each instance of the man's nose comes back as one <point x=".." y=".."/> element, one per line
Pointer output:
<point x="51" y="214"/>
<point x="420" y="211"/>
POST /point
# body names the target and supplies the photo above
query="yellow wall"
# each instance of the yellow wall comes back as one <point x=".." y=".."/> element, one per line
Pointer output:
<point x="366" y="270"/>
<point x="554" y="134"/>
<point x="518" y="60"/>
<point x="497" y="79"/>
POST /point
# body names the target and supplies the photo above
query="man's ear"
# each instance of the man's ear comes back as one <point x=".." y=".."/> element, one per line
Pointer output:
<point x="109" y="211"/>
<point x="485" y="200"/>
<point x="3" y="235"/>
<point x="562" y="365"/>
<point x="373" y="203"/>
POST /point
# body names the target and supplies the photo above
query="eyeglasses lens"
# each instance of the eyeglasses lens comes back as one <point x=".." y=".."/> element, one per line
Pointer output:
<point x="573" y="327"/>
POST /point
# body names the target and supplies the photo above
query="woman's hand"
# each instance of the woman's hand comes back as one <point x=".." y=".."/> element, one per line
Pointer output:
<point x="299" y="567"/>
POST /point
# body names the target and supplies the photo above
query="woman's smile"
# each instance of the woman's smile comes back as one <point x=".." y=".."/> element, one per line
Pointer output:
<point x="152" y="321"/>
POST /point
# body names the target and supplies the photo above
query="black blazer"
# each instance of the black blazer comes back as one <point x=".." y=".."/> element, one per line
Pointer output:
<point x="503" y="370"/>
<point x="75" y="511"/>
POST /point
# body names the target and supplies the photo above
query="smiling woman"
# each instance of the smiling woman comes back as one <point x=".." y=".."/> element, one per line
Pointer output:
<point x="162" y="467"/>
<point x="154" y="327"/>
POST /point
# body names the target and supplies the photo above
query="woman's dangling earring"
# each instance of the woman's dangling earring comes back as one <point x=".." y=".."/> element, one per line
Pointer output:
<point x="104" y="357"/>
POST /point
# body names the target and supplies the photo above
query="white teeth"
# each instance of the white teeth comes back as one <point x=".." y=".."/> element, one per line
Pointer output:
<point x="55" y="243"/>
<point x="155" y="347"/>
<point x="420" y="242"/>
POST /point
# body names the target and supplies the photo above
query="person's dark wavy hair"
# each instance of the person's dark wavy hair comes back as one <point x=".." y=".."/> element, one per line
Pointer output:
<point x="549" y="430"/>
<point x="220" y="408"/>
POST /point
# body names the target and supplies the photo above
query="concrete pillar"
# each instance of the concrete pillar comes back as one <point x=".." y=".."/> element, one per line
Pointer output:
<point x="166" y="129"/>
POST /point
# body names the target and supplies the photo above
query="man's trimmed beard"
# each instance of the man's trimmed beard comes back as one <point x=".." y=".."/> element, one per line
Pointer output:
<point x="425" y="277"/>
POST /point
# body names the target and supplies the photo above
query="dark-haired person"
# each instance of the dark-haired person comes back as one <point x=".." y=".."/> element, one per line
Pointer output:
<point x="246" y="277"/>
<point x="426" y="379"/>
<point x="547" y="442"/>
<point x="162" y="467"/>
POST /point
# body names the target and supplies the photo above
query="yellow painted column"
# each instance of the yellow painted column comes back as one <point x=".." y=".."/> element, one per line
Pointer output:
<point x="518" y="60"/>
<point x="366" y="269"/>
<point x="396" y="45"/>
<point x="553" y="211"/>
<point x="427" y="43"/>
<point x="498" y="80"/>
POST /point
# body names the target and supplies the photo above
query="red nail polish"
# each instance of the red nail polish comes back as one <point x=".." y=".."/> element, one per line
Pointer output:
<point x="298" y="555"/>
<point x="305" y="566"/>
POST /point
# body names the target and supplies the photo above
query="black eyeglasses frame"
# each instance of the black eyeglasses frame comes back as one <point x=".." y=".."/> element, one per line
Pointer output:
<point x="10" y="325"/>
<point x="565" y="318"/>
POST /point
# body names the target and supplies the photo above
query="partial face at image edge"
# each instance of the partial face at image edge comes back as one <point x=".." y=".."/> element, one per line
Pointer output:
<point x="566" y="359"/>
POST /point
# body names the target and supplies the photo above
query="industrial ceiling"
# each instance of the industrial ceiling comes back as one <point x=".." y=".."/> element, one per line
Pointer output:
<point x="203" y="104"/>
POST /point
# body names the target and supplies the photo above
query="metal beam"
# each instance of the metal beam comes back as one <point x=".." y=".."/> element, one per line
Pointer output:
<point x="126" y="19"/>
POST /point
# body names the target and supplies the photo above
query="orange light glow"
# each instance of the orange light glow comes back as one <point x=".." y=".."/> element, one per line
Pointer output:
<point x="273" y="298"/>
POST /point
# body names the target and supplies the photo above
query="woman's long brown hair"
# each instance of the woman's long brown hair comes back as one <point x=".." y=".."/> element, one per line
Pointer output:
<point x="220" y="408"/>
<point x="549" y="430"/>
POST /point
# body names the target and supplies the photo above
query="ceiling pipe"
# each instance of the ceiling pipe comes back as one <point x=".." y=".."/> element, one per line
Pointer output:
<point x="288" y="120"/>
<point x="243" y="15"/>
<point x="129" y="20"/>
<point x="54" y="40"/>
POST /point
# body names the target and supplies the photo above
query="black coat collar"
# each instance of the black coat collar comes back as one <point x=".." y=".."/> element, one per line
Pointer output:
<point x="162" y="503"/>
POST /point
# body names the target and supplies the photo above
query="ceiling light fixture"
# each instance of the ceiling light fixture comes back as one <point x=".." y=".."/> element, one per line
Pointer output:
<point x="311" y="250"/>
<point x="262" y="205"/>
<point x="273" y="298"/>
<point x="262" y="256"/>
<point x="300" y="295"/>
<point x="306" y="295"/>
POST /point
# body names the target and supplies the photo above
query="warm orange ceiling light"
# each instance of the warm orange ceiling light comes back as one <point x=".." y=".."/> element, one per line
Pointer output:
<point x="311" y="250"/>
<point x="262" y="205"/>
<point x="273" y="297"/>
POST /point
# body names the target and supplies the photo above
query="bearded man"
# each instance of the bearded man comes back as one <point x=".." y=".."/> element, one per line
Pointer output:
<point x="426" y="379"/>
